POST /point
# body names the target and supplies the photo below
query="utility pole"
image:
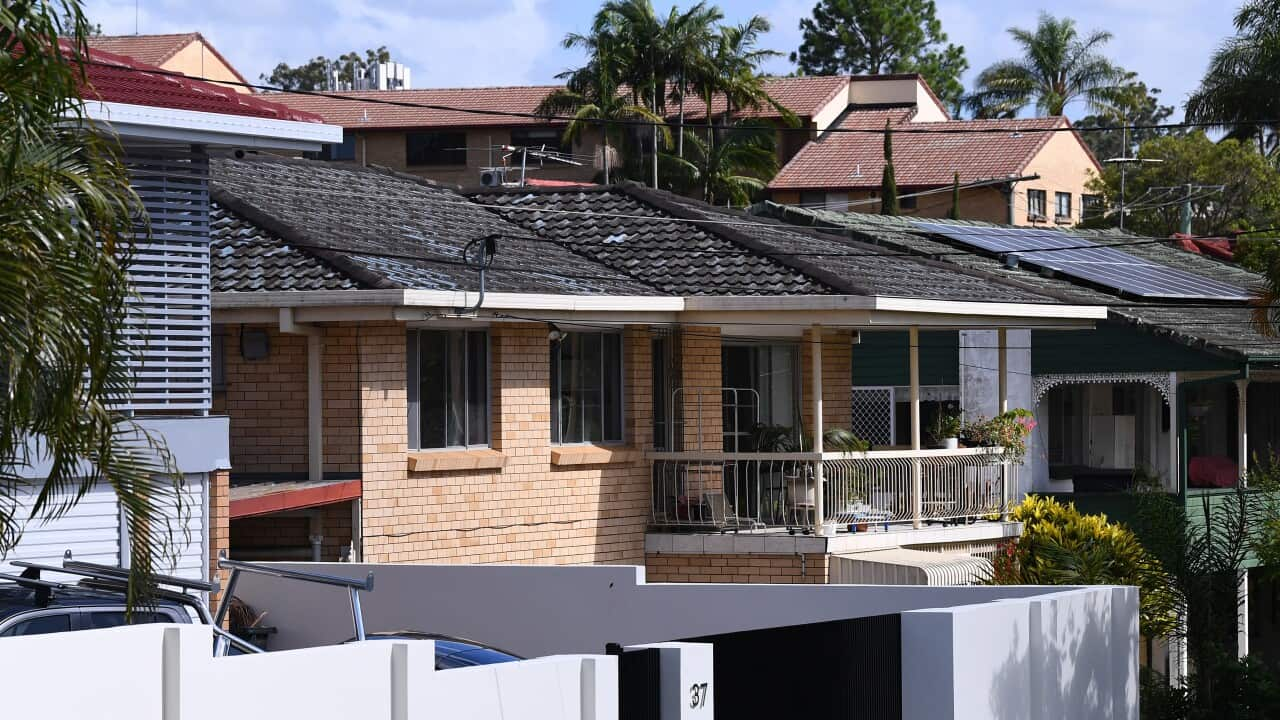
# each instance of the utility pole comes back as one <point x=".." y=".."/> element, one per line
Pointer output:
<point x="1185" y="225"/>
<point x="1123" y="161"/>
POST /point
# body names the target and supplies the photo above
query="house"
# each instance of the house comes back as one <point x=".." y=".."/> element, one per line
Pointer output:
<point x="1177" y="388"/>
<point x="600" y="402"/>
<point x="168" y="127"/>
<point x="451" y="135"/>
<point x="187" y="53"/>
<point x="1020" y="171"/>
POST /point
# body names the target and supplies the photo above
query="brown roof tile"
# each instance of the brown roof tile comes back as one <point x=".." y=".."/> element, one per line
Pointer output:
<point x="155" y="49"/>
<point x="928" y="155"/>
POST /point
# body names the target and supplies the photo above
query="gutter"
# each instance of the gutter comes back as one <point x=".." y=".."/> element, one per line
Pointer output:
<point x="192" y="126"/>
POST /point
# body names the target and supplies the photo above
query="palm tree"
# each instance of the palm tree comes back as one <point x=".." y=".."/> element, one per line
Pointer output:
<point x="641" y="54"/>
<point x="689" y="37"/>
<point x="733" y="169"/>
<point x="67" y="230"/>
<point x="1242" y="85"/>
<point x="1057" y="68"/>
<point x="592" y="94"/>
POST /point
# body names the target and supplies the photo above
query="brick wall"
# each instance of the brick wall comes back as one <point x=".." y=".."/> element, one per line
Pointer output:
<point x="528" y="511"/>
<point x="219" y="523"/>
<point x="737" y="568"/>
<point x="293" y="530"/>
<point x="267" y="402"/>
<point x="837" y="379"/>
<point x="701" y="379"/>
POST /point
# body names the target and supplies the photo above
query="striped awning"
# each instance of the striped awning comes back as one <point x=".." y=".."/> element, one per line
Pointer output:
<point x="899" y="566"/>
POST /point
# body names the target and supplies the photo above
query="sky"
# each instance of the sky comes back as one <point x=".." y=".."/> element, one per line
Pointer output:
<point x="468" y="43"/>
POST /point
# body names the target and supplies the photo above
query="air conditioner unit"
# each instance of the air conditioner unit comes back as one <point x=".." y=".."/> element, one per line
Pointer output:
<point x="493" y="177"/>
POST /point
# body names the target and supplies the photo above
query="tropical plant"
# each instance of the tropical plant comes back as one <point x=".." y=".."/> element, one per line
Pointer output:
<point x="888" y="179"/>
<point x="871" y="37"/>
<point x="785" y="439"/>
<point x="1057" y="67"/>
<point x="1132" y="121"/>
<point x="69" y="224"/>
<point x="1240" y="91"/>
<point x="733" y="168"/>
<point x="1060" y="545"/>
<point x="947" y="423"/>
<point x="592" y="95"/>
<point x="688" y="36"/>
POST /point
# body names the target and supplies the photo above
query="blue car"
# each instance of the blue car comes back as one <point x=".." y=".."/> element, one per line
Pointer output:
<point x="451" y="652"/>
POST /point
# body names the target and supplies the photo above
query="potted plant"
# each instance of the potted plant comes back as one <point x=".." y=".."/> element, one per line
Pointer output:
<point x="1008" y="430"/>
<point x="945" y="429"/>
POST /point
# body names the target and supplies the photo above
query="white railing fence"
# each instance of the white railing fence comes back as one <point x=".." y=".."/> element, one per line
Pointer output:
<point x="861" y="491"/>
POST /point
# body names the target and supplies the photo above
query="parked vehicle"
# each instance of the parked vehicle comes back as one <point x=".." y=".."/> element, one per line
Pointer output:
<point x="451" y="652"/>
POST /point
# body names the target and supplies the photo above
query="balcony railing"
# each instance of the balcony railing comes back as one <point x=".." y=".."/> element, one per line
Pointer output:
<point x="861" y="492"/>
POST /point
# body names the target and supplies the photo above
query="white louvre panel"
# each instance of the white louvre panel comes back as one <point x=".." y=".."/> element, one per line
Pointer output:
<point x="169" y="319"/>
<point x="193" y="556"/>
<point x="90" y="530"/>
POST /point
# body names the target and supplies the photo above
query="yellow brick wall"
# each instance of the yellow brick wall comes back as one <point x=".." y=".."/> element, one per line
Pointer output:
<point x="387" y="148"/>
<point x="837" y="379"/>
<point x="219" y="523"/>
<point x="267" y="402"/>
<point x="530" y="510"/>
<point x="700" y="377"/>
<point x="736" y="568"/>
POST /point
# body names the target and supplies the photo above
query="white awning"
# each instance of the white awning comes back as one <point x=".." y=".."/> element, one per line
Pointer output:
<point x="899" y="566"/>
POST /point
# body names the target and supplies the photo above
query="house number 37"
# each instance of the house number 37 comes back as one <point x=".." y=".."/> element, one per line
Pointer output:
<point x="698" y="695"/>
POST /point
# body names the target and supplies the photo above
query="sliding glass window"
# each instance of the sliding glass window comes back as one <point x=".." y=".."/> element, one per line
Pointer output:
<point x="586" y="388"/>
<point x="448" y="389"/>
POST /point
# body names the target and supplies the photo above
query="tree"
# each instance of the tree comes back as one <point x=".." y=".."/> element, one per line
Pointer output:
<point x="1240" y="91"/>
<point x="67" y="223"/>
<point x="1249" y="197"/>
<point x="689" y="36"/>
<point x="734" y="168"/>
<point x="1136" y="106"/>
<point x="871" y="37"/>
<point x="954" y="212"/>
<point x="317" y="73"/>
<point x="592" y="96"/>
<point x="1057" y="68"/>
<point x="888" y="181"/>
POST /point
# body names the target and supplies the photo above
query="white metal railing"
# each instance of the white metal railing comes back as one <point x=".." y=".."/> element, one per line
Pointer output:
<point x="861" y="491"/>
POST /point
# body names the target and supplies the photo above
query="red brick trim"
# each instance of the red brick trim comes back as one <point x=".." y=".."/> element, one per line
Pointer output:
<point x="296" y="499"/>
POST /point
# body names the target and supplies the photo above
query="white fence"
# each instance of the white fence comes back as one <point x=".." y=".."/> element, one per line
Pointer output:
<point x="167" y="672"/>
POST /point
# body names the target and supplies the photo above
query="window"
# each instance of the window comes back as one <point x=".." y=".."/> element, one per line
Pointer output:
<point x="40" y="625"/>
<point x="663" y="370"/>
<point x="535" y="139"/>
<point x="98" y="619"/>
<point x="435" y="148"/>
<point x="1062" y="206"/>
<point x="448" y="388"/>
<point x="761" y="386"/>
<point x="908" y="203"/>
<point x="1090" y="206"/>
<point x="586" y="388"/>
<point x="1035" y="204"/>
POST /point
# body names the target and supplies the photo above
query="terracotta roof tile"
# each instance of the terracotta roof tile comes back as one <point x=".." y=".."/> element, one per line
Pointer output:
<point x="928" y="155"/>
<point x="115" y="78"/>
<point x="150" y="49"/>
<point x="347" y="110"/>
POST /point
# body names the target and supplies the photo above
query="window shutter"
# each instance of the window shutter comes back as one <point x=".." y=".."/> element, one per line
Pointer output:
<point x="169" y="319"/>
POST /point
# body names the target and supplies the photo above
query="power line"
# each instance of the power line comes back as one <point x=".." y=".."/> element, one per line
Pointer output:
<point x="647" y="123"/>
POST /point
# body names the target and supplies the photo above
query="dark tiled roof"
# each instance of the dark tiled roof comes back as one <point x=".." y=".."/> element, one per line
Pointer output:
<point x="382" y="229"/>
<point x="617" y="227"/>
<point x="247" y="258"/>
<point x="733" y="254"/>
<point x="1223" y="327"/>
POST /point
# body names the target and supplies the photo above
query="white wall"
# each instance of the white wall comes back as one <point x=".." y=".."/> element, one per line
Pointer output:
<point x="980" y="386"/>
<point x="541" y="610"/>
<point x="1070" y="654"/>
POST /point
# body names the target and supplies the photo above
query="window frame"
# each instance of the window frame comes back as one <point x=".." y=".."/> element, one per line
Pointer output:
<point x="1091" y="206"/>
<point x="413" y="382"/>
<point x="449" y="158"/>
<point x="793" y="349"/>
<point x="1057" y="205"/>
<point x="1043" y="198"/>
<point x="556" y="433"/>
<point x="556" y="146"/>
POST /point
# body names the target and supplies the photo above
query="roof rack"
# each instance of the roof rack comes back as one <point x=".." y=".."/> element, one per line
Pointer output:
<point x="353" y="586"/>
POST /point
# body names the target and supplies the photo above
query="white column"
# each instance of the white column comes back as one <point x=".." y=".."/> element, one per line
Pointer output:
<point x="815" y="380"/>
<point x="1242" y="428"/>
<point x="917" y="490"/>
<point x="1002" y="369"/>
<point x="315" y="389"/>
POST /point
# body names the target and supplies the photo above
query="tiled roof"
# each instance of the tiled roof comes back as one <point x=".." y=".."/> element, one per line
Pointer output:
<point x="731" y="253"/>
<point x="248" y="258"/>
<point x="150" y="49"/>
<point x="347" y="110"/>
<point x="115" y="78"/>
<point x="804" y="96"/>
<point x="1225" y="327"/>
<point x="924" y="154"/>
<point x="618" y="227"/>
<point x="385" y="230"/>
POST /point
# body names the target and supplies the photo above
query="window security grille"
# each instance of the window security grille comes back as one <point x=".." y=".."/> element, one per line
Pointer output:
<point x="169" y="317"/>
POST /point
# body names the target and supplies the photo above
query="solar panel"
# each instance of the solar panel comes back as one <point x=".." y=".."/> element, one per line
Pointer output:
<point x="1088" y="261"/>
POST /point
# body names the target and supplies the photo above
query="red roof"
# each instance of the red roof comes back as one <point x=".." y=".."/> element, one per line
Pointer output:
<point x="565" y="184"/>
<point x="342" y="109"/>
<point x="804" y="96"/>
<point x="115" y="78"/>
<point x="929" y="155"/>
<point x="1220" y="248"/>
<point x="155" y="49"/>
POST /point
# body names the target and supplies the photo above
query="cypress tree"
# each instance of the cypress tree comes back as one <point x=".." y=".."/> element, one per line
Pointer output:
<point x="888" y="185"/>
<point x="955" y="198"/>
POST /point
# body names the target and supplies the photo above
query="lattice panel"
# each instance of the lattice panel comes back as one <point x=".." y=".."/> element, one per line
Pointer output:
<point x="873" y="411"/>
